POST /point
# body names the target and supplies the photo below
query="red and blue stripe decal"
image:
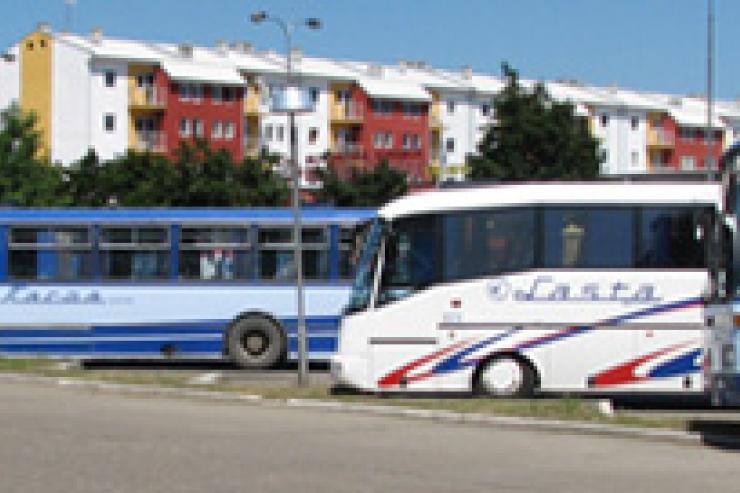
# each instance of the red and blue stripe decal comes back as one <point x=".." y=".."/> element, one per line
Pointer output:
<point x="622" y="374"/>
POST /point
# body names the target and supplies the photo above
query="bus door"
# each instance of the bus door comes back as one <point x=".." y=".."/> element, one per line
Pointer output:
<point x="407" y="314"/>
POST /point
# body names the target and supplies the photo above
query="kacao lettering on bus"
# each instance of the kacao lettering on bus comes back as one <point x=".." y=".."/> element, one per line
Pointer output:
<point x="18" y="295"/>
<point x="546" y="289"/>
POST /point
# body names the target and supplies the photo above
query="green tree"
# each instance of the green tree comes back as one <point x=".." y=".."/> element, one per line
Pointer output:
<point x="534" y="138"/>
<point x="362" y="188"/>
<point x="85" y="181"/>
<point x="258" y="184"/>
<point x="26" y="179"/>
<point x="139" y="179"/>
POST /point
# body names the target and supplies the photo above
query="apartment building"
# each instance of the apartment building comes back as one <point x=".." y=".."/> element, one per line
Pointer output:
<point x="93" y="91"/>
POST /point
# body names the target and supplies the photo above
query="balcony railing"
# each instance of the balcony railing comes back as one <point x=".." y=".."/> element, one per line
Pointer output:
<point x="348" y="150"/>
<point x="347" y="112"/>
<point x="252" y="145"/>
<point x="658" y="137"/>
<point x="151" y="141"/>
<point x="150" y="97"/>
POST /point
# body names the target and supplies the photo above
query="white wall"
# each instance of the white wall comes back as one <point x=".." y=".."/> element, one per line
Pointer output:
<point x="308" y="154"/>
<point x="109" y="100"/>
<point x="620" y="140"/>
<point x="70" y="117"/>
<point x="10" y="79"/>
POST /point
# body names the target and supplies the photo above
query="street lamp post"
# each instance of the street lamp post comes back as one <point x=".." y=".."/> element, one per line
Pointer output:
<point x="709" y="133"/>
<point x="291" y="105"/>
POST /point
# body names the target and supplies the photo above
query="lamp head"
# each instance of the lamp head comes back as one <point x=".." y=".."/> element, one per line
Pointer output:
<point x="313" y="23"/>
<point x="258" y="16"/>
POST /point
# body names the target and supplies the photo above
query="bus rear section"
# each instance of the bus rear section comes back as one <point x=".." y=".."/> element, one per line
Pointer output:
<point x="511" y="289"/>
<point x="171" y="283"/>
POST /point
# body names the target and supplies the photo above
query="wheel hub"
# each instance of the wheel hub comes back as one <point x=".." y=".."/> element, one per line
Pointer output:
<point x="503" y="377"/>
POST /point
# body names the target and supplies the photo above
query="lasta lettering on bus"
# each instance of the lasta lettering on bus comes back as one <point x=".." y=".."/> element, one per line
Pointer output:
<point x="18" y="295"/>
<point x="546" y="289"/>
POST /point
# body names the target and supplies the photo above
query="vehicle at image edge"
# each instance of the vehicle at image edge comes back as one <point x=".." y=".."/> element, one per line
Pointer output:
<point x="508" y="289"/>
<point x="723" y="306"/>
<point x="172" y="282"/>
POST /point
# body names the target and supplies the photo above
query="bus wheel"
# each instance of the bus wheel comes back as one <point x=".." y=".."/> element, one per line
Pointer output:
<point x="505" y="376"/>
<point x="255" y="342"/>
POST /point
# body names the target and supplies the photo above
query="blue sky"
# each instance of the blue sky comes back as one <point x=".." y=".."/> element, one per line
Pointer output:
<point x="655" y="45"/>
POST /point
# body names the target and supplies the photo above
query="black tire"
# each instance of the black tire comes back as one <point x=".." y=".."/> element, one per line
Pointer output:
<point x="505" y="377"/>
<point x="256" y="343"/>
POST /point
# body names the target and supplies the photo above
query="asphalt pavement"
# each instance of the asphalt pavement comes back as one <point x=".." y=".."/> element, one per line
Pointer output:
<point x="74" y="440"/>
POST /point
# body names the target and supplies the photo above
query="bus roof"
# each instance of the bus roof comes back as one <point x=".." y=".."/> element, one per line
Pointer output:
<point x="121" y="215"/>
<point x="553" y="193"/>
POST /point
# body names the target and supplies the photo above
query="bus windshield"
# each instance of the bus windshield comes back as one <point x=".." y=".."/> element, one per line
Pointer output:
<point x="363" y="284"/>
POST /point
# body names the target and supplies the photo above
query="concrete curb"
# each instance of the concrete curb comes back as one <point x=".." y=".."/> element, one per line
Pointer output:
<point x="511" y="422"/>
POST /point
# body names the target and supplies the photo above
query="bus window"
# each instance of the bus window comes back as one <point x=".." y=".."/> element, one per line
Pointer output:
<point x="351" y="246"/>
<point x="276" y="253"/>
<point x="670" y="239"/>
<point x="214" y="253"/>
<point x="582" y="238"/>
<point x="362" y="287"/>
<point x="411" y="258"/>
<point x="135" y="253"/>
<point x="50" y="253"/>
<point x="480" y="243"/>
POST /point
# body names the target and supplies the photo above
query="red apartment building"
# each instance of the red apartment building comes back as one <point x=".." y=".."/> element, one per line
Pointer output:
<point x="367" y="128"/>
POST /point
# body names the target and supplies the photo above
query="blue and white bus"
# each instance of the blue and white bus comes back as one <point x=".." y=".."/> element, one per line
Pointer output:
<point x="194" y="283"/>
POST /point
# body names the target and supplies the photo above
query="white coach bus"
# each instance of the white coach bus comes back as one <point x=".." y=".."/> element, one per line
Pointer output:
<point x="509" y="289"/>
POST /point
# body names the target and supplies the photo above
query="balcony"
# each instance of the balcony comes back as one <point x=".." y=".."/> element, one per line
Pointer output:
<point x="349" y="113"/>
<point x="150" y="141"/>
<point x="151" y="98"/>
<point x="658" y="137"/>
<point x="252" y="145"/>
<point x="348" y="150"/>
<point x="253" y="102"/>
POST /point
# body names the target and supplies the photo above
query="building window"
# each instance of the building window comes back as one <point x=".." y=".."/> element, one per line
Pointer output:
<point x="450" y="107"/>
<point x="110" y="78"/>
<point x="406" y="141"/>
<point x="604" y="120"/>
<point x="144" y="80"/>
<point x="485" y="109"/>
<point x="416" y="141"/>
<point x="217" y="130"/>
<point x="216" y="94"/>
<point x="109" y="122"/>
<point x="313" y="135"/>
<point x="709" y="162"/>
<point x="185" y="128"/>
<point x="635" y="122"/>
<point x="635" y="158"/>
<point x="450" y="144"/>
<point x="198" y="128"/>
<point x="388" y="138"/>
<point x="378" y="140"/>
<point x="229" y="130"/>
<point x="313" y="93"/>
<point x="604" y="155"/>
<point x="280" y="133"/>
<point x="268" y="133"/>
<point x="688" y="163"/>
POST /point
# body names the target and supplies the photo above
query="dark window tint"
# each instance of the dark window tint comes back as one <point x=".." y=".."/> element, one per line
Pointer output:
<point x="128" y="264"/>
<point x="671" y="238"/>
<point x="215" y="264"/>
<point x="480" y="243"/>
<point x="578" y="237"/>
<point x="411" y="258"/>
